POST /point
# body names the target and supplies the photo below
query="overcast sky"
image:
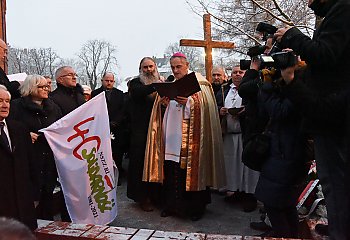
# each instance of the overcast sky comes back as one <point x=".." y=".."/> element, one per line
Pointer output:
<point x="137" y="28"/>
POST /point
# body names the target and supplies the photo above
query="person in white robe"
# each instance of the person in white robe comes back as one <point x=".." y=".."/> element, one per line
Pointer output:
<point x="241" y="181"/>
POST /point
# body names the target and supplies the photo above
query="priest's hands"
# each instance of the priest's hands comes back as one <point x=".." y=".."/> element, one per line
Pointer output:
<point x="164" y="101"/>
<point x="223" y="111"/>
<point x="34" y="136"/>
<point x="181" y="100"/>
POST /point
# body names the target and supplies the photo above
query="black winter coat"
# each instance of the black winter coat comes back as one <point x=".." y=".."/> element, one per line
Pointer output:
<point x="12" y="87"/>
<point x="254" y="122"/>
<point x="18" y="177"/>
<point x="327" y="73"/>
<point x="140" y="108"/>
<point x="115" y="105"/>
<point x="34" y="118"/>
<point x="286" y="168"/>
<point x="68" y="99"/>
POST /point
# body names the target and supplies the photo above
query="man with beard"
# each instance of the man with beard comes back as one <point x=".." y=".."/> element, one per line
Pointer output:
<point x="115" y="105"/>
<point x="142" y="96"/>
<point x="219" y="77"/>
<point x="184" y="147"/>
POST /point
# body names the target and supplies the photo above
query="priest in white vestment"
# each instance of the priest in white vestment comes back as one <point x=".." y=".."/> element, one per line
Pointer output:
<point x="184" y="147"/>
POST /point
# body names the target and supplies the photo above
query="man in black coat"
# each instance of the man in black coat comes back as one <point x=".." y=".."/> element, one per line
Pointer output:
<point x="115" y="106"/>
<point x="69" y="94"/>
<point x="142" y="95"/>
<point x="219" y="78"/>
<point x="17" y="173"/>
<point x="324" y="100"/>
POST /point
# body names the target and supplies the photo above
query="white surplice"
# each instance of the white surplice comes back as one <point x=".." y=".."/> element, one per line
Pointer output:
<point x="238" y="176"/>
<point x="172" y="126"/>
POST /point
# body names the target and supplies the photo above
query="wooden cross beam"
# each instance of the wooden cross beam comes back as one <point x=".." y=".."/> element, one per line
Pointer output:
<point x="208" y="45"/>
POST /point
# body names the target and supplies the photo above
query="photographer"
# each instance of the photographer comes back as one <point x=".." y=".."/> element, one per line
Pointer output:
<point x="248" y="90"/>
<point x="324" y="100"/>
<point x="284" y="169"/>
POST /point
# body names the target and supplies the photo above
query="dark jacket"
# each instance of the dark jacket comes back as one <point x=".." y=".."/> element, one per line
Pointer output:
<point x="139" y="112"/>
<point x="328" y="69"/>
<point x="34" y="118"/>
<point x="115" y="104"/>
<point x="286" y="167"/>
<point x="68" y="99"/>
<point x="17" y="176"/>
<point x="12" y="87"/>
<point x="254" y="122"/>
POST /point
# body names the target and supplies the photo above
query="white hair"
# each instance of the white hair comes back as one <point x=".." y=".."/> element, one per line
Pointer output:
<point x="2" y="87"/>
<point x="30" y="83"/>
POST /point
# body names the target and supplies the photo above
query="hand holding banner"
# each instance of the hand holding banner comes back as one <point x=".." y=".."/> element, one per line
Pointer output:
<point x="81" y="145"/>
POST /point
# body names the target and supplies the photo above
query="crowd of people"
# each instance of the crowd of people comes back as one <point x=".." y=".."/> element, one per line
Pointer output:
<point x="182" y="149"/>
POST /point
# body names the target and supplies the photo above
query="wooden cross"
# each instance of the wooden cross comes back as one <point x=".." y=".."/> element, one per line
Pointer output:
<point x="208" y="45"/>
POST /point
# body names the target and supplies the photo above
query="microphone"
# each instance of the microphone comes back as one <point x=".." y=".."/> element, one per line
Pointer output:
<point x="170" y="78"/>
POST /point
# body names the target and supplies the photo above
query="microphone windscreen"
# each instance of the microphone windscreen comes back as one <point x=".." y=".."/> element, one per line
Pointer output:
<point x="170" y="78"/>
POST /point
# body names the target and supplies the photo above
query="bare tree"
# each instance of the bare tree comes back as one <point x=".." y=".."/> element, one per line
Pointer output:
<point x="195" y="56"/>
<point x="98" y="57"/>
<point x="236" y="20"/>
<point x="42" y="61"/>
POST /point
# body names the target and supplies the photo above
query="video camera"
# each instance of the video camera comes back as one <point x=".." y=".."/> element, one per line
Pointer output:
<point x="275" y="58"/>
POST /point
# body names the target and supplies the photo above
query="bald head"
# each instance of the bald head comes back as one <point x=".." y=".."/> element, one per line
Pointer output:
<point x="108" y="80"/>
<point x="219" y="75"/>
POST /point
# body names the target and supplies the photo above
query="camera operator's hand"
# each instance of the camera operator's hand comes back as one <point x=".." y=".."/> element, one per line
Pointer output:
<point x="255" y="64"/>
<point x="288" y="74"/>
<point x="280" y="32"/>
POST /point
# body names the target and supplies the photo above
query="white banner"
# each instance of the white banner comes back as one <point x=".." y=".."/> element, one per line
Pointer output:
<point x="81" y="145"/>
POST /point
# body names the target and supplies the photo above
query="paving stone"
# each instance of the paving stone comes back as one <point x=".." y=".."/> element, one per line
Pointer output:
<point x="77" y="226"/>
<point x="223" y="237"/>
<point x="142" y="234"/>
<point x="43" y="223"/>
<point x="113" y="236"/>
<point x="94" y="231"/>
<point x="252" y="238"/>
<point x="121" y="230"/>
<point x="68" y="232"/>
<point x="52" y="227"/>
<point x="170" y="235"/>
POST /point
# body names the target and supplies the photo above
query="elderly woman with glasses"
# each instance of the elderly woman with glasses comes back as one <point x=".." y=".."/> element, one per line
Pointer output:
<point x="36" y="111"/>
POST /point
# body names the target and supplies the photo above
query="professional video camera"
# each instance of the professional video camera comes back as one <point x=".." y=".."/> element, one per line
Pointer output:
<point x="275" y="58"/>
<point x="266" y="29"/>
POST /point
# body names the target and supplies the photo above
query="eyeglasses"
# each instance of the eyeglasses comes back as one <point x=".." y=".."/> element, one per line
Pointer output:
<point x="45" y="87"/>
<point x="70" y="75"/>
